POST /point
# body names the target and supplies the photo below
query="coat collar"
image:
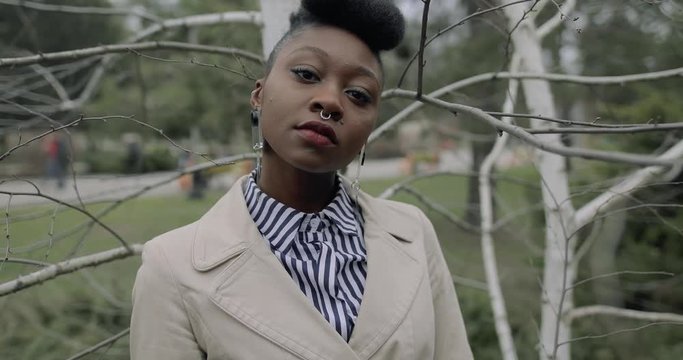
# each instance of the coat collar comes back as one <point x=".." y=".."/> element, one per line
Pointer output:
<point x="213" y="245"/>
<point x="256" y="290"/>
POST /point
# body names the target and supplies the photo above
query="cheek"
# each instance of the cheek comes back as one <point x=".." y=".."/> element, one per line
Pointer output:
<point x="360" y="137"/>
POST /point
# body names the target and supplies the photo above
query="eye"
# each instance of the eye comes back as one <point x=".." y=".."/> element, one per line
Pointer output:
<point x="305" y="74"/>
<point x="360" y="96"/>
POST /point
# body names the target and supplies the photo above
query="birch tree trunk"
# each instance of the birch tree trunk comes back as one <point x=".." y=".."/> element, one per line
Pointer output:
<point x="274" y="24"/>
<point x="559" y="212"/>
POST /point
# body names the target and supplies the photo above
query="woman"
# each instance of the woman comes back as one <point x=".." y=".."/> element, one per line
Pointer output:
<point x="295" y="262"/>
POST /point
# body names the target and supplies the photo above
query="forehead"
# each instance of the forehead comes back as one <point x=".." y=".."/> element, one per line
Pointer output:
<point x="338" y="44"/>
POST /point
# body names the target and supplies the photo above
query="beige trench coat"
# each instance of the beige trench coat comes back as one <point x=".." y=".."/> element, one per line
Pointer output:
<point x="214" y="290"/>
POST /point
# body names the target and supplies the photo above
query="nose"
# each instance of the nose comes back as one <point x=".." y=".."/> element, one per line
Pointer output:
<point x="327" y="100"/>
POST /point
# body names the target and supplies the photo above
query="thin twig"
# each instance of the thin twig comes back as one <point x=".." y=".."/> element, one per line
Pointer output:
<point x="617" y="273"/>
<point x="550" y="25"/>
<point x="508" y="42"/>
<point x="447" y="29"/>
<point x="27" y="262"/>
<point x="618" y="332"/>
<point x="592" y="124"/>
<point x="229" y="160"/>
<point x="51" y="233"/>
<point x="83" y="10"/>
<point x="107" y="342"/>
<point x="441" y="210"/>
<point x="7" y="233"/>
<point x="423" y="39"/>
<point x="82" y="211"/>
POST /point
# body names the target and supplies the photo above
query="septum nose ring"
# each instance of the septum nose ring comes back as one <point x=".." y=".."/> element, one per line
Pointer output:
<point x="322" y="115"/>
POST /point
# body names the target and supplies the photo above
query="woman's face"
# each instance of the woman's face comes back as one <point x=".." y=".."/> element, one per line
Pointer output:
<point x="322" y="68"/>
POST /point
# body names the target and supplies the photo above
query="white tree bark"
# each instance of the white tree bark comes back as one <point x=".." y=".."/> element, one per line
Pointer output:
<point x="274" y="23"/>
<point x="559" y="212"/>
<point x="505" y="341"/>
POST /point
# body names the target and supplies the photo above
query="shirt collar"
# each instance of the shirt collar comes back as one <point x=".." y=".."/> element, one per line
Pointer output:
<point x="341" y="212"/>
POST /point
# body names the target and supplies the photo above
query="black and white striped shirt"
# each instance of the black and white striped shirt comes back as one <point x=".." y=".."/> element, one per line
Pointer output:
<point x="323" y="252"/>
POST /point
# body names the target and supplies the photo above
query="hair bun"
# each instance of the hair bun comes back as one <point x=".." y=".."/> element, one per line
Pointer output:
<point x="379" y="23"/>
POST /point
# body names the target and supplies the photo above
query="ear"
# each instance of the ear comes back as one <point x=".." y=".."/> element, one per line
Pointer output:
<point x="256" y="98"/>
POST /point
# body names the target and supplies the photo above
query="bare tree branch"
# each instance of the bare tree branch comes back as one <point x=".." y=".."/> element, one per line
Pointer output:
<point x="626" y="272"/>
<point x="8" y="238"/>
<point x="86" y="10"/>
<point x="68" y="266"/>
<point x="615" y="195"/>
<point x="593" y="124"/>
<point x="26" y="262"/>
<point x="577" y="79"/>
<point x="124" y="48"/>
<point x="621" y="331"/>
<point x="593" y="310"/>
<point x="52" y="80"/>
<point x="248" y="17"/>
<point x="620" y="130"/>
<point x="423" y="38"/>
<point x="476" y="284"/>
<point x="440" y="209"/>
<point x="520" y="133"/>
<point x="502" y="324"/>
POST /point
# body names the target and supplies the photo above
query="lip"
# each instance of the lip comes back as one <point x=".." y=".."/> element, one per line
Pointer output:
<point x="318" y="129"/>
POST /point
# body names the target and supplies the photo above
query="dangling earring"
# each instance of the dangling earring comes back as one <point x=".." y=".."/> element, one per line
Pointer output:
<point x="355" y="184"/>
<point x="257" y="139"/>
<point x="355" y="187"/>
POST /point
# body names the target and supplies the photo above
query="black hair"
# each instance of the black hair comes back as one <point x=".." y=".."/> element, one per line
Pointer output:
<point x="378" y="23"/>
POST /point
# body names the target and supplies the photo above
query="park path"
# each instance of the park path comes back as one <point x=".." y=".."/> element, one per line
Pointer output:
<point x="93" y="188"/>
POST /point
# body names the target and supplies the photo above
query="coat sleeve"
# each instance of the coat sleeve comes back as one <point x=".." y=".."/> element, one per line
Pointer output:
<point x="451" y="337"/>
<point x="160" y="328"/>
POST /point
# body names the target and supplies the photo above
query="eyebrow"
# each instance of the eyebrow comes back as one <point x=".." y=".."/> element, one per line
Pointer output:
<point x="363" y="70"/>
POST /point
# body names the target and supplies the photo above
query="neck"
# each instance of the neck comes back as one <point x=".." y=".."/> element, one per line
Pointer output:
<point x="298" y="189"/>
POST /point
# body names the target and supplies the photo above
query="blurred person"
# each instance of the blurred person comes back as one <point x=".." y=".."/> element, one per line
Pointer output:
<point x="295" y="261"/>
<point x="133" y="161"/>
<point x="56" y="158"/>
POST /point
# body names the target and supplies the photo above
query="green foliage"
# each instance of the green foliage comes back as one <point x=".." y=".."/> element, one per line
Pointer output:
<point x="177" y="96"/>
<point x="159" y="158"/>
<point x="156" y="157"/>
<point x="108" y="162"/>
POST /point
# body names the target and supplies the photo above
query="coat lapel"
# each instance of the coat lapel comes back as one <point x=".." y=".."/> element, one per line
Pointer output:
<point x="255" y="289"/>
<point x="394" y="276"/>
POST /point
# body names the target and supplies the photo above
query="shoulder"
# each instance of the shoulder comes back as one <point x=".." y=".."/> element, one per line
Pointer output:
<point x="171" y="244"/>
<point x="404" y="220"/>
<point x="168" y="255"/>
<point x="396" y="209"/>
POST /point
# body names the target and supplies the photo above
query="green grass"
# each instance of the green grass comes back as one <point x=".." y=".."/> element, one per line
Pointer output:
<point x="63" y="316"/>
